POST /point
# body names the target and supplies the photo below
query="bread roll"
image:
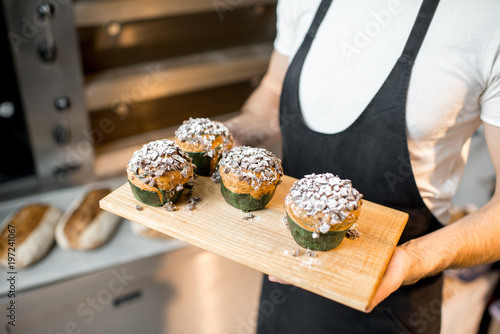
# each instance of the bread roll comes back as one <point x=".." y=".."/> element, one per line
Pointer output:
<point x="84" y="225"/>
<point x="34" y="226"/>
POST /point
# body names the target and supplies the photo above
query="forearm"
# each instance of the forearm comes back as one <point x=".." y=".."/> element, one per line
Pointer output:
<point x="470" y="241"/>
<point x="258" y="123"/>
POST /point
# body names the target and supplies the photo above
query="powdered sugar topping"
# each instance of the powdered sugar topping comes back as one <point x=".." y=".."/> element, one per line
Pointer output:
<point x="325" y="193"/>
<point x="202" y="131"/>
<point x="159" y="157"/>
<point x="246" y="161"/>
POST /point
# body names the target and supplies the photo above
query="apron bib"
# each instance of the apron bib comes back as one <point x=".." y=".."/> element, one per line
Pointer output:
<point x="373" y="153"/>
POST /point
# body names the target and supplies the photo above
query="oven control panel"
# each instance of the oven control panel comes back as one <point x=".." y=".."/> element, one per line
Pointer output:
<point x="47" y="93"/>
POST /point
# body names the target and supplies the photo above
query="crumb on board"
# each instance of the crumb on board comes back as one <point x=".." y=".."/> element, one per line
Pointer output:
<point x="215" y="177"/>
<point x="306" y="257"/>
<point x="139" y="208"/>
<point x="353" y="233"/>
<point x="284" y="220"/>
<point x="249" y="216"/>
<point x="192" y="202"/>
<point x="299" y="252"/>
<point x="310" y="253"/>
<point x="169" y="206"/>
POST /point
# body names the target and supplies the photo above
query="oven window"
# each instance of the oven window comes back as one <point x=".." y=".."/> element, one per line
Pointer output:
<point x="15" y="148"/>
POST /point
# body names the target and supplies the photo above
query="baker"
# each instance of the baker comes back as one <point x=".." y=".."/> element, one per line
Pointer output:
<point x="387" y="94"/>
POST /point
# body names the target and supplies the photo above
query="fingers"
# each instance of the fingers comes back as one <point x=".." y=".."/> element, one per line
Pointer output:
<point x="393" y="277"/>
<point x="387" y="286"/>
<point x="277" y="280"/>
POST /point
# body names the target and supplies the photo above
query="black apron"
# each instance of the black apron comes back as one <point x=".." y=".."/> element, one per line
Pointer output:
<point x="373" y="153"/>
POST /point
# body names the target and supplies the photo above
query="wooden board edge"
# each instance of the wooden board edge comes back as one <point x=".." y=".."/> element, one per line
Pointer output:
<point x="361" y="306"/>
<point x="339" y="298"/>
<point x="389" y="258"/>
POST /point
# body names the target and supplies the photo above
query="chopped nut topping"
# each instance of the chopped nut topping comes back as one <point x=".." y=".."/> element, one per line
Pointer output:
<point x="298" y="252"/>
<point x="325" y="193"/>
<point x="215" y="177"/>
<point x="157" y="158"/>
<point x="192" y="203"/>
<point x="246" y="162"/>
<point x="310" y="253"/>
<point x="202" y="131"/>
<point x="353" y="233"/>
<point x="169" y="206"/>
<point x="249" y="216"/>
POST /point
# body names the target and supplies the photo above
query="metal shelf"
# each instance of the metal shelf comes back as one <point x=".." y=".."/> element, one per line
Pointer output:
<point x="178" y="75"/>
<point x="91" y="13"/>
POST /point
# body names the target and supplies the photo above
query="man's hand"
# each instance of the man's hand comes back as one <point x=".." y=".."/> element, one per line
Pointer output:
<point x="277" y="280"/>
<point x="397" y="274"/>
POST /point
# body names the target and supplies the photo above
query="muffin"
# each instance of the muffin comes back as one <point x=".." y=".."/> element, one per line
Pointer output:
<point x="249" y="177"/>
<point x="158" y="172"/>
<point x="204" y="141"/>
<point x="320" y="208"/>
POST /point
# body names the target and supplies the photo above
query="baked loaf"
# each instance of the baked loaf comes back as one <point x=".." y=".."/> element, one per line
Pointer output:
<point x="158" y="172"/>
<point x="320" y="208"/>
<point x="84" y="225"/>
<point x="249" y="177"/>
<point x="204" y="141"/>
<point x="34" y="226"/>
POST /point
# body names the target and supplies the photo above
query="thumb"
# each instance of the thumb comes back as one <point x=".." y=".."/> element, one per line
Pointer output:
<point x="393" y="278"/>
<point x="277" y="280"/>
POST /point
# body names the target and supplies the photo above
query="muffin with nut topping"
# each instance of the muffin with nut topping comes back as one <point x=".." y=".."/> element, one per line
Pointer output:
<point x="158" y="172"/>
<point x="249" y="177"/>
<point x="204" y="141"/>
<point x="320" y="208"/>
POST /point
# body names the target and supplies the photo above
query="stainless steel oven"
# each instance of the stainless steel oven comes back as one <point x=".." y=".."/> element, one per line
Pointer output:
<point x="85" y="83"/>
<point x="42" y="109"/>
<point x="87" y="78"/>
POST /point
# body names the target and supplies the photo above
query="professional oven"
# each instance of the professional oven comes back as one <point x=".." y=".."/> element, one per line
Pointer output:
<point x="87" y="82"/>
<point x="86" y="78"/>
<point x="43" y="117"/>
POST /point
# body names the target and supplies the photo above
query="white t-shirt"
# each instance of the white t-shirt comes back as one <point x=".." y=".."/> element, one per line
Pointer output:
<point x="454" y="85"/>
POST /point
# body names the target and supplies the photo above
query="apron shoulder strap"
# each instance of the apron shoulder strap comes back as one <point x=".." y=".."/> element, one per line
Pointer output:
<point x="420" y="28"/>
<point x="318" y="18"/>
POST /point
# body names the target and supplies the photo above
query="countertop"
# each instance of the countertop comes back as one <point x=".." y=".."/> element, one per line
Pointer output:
<point x="60" y="264"/>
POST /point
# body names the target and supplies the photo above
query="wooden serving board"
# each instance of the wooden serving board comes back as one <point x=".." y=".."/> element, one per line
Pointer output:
<point x="348" y="274"/>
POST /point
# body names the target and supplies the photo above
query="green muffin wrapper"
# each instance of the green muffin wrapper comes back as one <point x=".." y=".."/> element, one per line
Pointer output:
<point x="152" y="198"/>
<point x="325" y="241"/>
<point x="202" y="161"/>
<point x="245" y="202"/>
